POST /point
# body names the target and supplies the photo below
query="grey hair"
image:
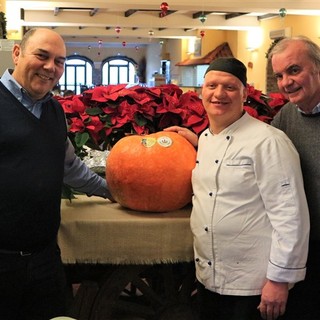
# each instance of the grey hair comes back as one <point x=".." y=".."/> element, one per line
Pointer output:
<point x="313" y="50"/>
<point x="26" y="37"/>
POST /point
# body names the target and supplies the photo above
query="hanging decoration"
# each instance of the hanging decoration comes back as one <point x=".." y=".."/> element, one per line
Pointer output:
<point x="117" y="29"/>
<point x="282" y="12"/>
<point x="124" y="43"/>
<point x="202" y="17"/>
<point x="202" y="33"/>
<point x="151" y="33"/>
<point x="164" y="9"/>
<point x="99" y="45"/>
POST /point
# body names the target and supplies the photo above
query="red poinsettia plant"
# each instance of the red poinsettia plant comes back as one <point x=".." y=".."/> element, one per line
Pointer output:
<point x="263" y="107"/>
<point x="99" y="117"/>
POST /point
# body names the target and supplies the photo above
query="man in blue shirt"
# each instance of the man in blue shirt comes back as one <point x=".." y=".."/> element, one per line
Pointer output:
<point x="36" y="157"/>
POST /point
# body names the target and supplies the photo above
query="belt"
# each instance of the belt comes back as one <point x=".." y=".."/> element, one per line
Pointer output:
<point x="20" y="253"/>
<point x="23" y="253"/>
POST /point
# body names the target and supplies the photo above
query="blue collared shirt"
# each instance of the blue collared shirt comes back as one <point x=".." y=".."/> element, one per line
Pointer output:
<point x="315" y="110"/>
<point x="22" y="95"/>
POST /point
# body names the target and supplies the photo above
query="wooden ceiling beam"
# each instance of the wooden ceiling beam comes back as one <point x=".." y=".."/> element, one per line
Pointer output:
<point x="234" y="15"/>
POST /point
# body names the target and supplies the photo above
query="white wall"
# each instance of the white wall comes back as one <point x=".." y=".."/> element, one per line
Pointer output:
<point x="6" y="54"/>
<point x="153" y="58"/>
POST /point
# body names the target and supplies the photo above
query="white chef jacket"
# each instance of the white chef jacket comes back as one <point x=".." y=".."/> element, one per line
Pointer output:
<point x="250" y="217"/>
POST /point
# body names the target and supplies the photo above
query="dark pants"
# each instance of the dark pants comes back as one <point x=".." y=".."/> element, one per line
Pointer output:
<point x="213" y="306"/>
<point x="32" y="287"/>
<point x="304" y="297"/>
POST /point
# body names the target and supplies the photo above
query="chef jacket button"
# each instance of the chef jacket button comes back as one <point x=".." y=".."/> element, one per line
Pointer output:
<point x="210" y="194"/>
<point x="197" y="259"/>
<point x="206" y="134"/>
<point x="206" y="229"/>
<point x="216" y="161"/>
<point x="228" y="137"/>
<point x="209" y="263"/>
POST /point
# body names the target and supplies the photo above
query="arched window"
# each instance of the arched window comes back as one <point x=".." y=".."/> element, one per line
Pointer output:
<point x="116" y="70"/>
<point x="77" y="74"/>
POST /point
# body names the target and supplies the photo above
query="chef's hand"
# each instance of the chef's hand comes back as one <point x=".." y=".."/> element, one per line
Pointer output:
<point x="274" y="298"/>
<point x="186" y="133"/>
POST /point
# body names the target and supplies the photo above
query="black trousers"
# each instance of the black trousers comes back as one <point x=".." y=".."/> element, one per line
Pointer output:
<point x="32" y="287"/>
<point x="213" y="306"/>
<point x="304" y="297"/>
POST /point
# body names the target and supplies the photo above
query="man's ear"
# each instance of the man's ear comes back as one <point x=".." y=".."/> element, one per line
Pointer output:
<point x="16" y="53"/>
<point x="245" y="94"/>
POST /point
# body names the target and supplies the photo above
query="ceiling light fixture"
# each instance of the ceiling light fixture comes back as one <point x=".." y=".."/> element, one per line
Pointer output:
<point x="203" y="18"/>
<point x="282" y="12"/>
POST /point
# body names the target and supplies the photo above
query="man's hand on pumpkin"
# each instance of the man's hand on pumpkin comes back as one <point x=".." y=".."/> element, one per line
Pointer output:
<point x="186" y="133"/>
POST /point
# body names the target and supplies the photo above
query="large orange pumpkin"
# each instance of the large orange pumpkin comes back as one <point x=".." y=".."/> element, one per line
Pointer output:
<point x="151" y="172"/>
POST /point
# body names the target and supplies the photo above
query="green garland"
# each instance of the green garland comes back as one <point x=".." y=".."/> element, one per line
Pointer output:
<point x="274" y="42"/>
<point x="3" y="26"/>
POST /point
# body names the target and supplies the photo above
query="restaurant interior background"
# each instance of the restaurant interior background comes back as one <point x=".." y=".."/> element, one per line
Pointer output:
<point x="175" y="52"/>
<point x="157" y="42"/>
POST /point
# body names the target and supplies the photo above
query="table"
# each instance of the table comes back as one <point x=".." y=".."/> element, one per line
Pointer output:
<point x="138" y="256"/>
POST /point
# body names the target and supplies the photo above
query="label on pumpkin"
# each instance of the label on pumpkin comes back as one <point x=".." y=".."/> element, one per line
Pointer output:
<point x="148" y="142"/>
<point x="164" y="141"/>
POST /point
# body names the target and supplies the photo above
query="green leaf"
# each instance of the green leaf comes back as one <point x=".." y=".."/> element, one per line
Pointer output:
<point x="94" y="111"/>
<point x="81" y="139"/>
<point x="105" y="118"/>
<point x="67" y="193"/>
<point x="140" y="120"/>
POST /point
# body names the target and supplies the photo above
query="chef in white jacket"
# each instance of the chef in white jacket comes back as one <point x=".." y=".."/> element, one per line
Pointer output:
<point x="250" y="217"/>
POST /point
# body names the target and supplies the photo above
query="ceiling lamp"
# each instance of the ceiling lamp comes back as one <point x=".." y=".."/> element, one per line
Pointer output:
<point x="124" y="43"/>
<point x="151" y="33"/>
<point x="203" y="18"/>
<point x="117" y="29"/>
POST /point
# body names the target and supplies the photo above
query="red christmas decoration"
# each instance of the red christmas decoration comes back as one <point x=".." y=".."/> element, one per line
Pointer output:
<point x="164" y="9"/>
<point x="117" y="29"/>
<point x="202" y="33"/>
<point x="124" y="43"/>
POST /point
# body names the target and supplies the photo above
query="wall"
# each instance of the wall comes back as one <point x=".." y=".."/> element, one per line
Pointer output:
<point x="153" y="58"/>
<point x="174" y="50"/>
<point x="3" y="6"/>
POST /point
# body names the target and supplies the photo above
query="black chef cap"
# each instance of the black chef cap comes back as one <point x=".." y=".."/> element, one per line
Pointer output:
<point x="230" y="65"/>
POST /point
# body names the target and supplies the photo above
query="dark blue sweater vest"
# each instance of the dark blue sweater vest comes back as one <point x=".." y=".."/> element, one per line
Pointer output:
<point x="32" y="155"/>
